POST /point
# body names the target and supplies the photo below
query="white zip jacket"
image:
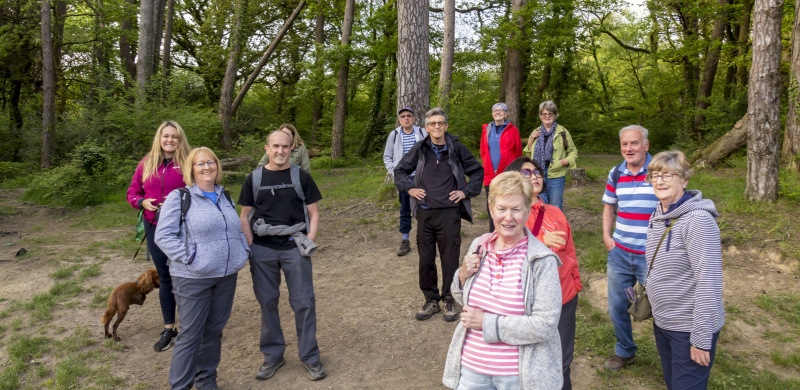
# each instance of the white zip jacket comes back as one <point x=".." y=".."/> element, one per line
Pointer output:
<point x="393" y="152"/>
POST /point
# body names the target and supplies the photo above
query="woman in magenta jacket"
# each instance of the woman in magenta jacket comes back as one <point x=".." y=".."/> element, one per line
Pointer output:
<point x="157" y="174"/>
<point x="500" y="144"/>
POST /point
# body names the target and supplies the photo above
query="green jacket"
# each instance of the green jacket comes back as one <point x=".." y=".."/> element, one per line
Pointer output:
<point x="556" y="170"/>
<point x="299" y="157"/>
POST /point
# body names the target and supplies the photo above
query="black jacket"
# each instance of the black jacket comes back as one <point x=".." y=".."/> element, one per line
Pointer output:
<point x="461" y="163"/>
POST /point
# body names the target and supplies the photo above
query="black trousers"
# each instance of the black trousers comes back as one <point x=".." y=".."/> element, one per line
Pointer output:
<point x="442" y="228"/>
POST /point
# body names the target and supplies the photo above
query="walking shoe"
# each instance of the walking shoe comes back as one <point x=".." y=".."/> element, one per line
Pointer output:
<point x="450" y="313"/>
<point x="615" y="363"/>
<point x="405" y="247"/>
<point x="315" y="371"/>
<point x="267" y="370"/>
<point x="166" y="340"/>
<point x="430" y="308"/>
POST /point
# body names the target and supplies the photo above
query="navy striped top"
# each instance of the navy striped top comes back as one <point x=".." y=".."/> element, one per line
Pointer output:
<point x="635" y="200"/>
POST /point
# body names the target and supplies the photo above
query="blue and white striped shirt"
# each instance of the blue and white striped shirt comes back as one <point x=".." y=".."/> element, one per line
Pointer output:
<point x="636" y="202"/>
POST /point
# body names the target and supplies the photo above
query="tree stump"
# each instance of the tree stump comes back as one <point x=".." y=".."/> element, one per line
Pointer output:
<point x="578" y="176"/>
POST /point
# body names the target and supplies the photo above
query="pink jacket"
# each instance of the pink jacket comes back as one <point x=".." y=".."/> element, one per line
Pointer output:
<point x="158" y="185"/>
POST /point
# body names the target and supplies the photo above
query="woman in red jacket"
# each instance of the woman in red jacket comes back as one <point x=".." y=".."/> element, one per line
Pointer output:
<point x="500" y="144"/>
<point x="156" y="176"/>
<point x="549" y="225"/>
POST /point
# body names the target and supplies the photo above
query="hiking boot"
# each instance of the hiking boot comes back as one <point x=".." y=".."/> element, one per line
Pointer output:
<point x="166" y="340"/>
<point x="405" y="247"/>
<point x="615" y="363"/>
<point x="315" y="371"/>
<point x="429" y="309"/>
<point x="267" y="370"/>
<point x="450" y="313"/>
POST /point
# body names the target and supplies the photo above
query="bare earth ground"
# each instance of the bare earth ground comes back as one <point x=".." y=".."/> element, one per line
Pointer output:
<point x="366" y="300"/>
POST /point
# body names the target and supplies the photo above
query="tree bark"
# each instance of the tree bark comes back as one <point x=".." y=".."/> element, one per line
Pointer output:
<point x="791" y="139"/>
<point x="764" y="102"/>
<point x="48" y="86"/>
<point x="514" y="62"/>
<point x="724" y="146"/>
<point x="229" y="82"/>
<point x="413" y="68"/>
<point x="126" y="52"/>
<point x="377" y="118"/>
<point x="265" y="57"/>
<point x="165" y="61"/>
<point x="144" y="62"/>
<point x="744" y="40"/>
<point x="710" y="69"/>
<point x="158" y="29"/>
<point x="337" y="134"/>
<point x="448" y="54"/>
<point x="319" y="74"/>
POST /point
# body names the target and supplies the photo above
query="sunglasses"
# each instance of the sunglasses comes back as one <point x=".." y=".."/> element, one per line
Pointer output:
<point x="530" y="172"/>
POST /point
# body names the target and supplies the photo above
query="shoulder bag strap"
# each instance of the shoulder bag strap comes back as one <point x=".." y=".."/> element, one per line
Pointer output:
<point x="659" y="245"/>
<point x="538" y="224"/>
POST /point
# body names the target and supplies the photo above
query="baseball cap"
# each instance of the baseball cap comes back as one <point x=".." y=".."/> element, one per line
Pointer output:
<point x="400" y="111"/>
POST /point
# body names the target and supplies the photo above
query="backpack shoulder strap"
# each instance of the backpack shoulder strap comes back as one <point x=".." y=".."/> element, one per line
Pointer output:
<point x="615" y="179"/>
<point x="228" y="196"/>
<point x="186" y="202"/>
<point x="294" y="173"/>
<point x="256" y="182"/>
<point x="564" y="139"/>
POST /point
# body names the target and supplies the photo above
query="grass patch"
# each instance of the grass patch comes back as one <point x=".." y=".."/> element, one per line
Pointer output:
<point x="65" y="272"/>
<point x="90" y="271"/>
<point x="783" y="306"/>
<point x="735" y="371"/>
<point x="350" y="184"/>
<point x="591" y="251"/>
<point x="786" y="360"/>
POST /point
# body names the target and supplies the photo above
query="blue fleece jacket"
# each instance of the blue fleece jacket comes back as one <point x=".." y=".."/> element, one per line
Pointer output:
<point x="217" y="246"/>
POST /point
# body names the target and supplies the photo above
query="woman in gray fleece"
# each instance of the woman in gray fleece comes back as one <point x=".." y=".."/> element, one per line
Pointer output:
<point x="685" y="282"/>
<point x="511" y="296"/>
<point x="206" y="250"/>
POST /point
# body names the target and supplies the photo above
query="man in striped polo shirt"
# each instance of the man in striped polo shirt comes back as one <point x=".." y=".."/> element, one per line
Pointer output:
<point x="631" y="198"/>
<point x="398" y="144"/>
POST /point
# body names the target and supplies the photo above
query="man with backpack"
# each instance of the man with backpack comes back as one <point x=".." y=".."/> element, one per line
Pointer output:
<point x="280" y="218"/>
<point x="398" y="144"/>
<point x="631" y="198"/>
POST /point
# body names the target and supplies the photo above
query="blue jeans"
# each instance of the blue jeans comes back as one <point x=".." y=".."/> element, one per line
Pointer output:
<point x="472" y="380"/>
<point x="680" y="371"/>
<point x="623" y="269"/>
<point x="405" y="211"/>
<point x="553" y="190"/>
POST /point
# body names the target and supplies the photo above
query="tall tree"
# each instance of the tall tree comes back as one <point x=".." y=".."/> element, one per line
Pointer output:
<point x="514" y="68"/>
<point x="337" y="134"/>
<point x="319" y="72"/>
<point x="48" y="86"/>
<point x="791" y="139"/>
<point x="448" y="53"/>
<point x="710" y="68"/>
<point x="165" y="61"/>
<point x="413" y="68"/>
<point x="764" y="102"/>
<point x="226" y="95"/>
<point x="127" y="52"/>
<point x="144" y="62"/>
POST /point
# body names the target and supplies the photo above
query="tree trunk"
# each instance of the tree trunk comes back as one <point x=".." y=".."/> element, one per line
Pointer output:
<point x="158" y="29"/>
<point x="710" y="69"/>
<point x="514" y="63"/>
<point x="724" y="146"/>
<point x="144" y="62"/>
<point x="337" y="134"/>
<point x="448" y="54"/>
<point x="17" y="121"/>
<point x="791" y="139"/>
<point x="764" y="102"/>
<point x="165" y="61"/>
<point x="413" y="68"/>
<point x="228" y="83"/>
<point x="265" y="57"/>
<point x="48" y="87"/>
<point x="319" y="74"/>
<point x="126" y="52"/>
<point x="744" y="40"/>
<point x="538" y="94"/>
<point x="377" y="118"/>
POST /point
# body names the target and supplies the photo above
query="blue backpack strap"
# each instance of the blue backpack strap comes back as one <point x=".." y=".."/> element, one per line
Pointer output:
<point x="615" y="179"/>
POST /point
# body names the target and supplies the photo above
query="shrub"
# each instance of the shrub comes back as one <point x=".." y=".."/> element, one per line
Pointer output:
<point x="10" y="170"/>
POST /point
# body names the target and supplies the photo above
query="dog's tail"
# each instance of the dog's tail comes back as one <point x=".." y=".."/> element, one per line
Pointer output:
<point x="112" y="309"/>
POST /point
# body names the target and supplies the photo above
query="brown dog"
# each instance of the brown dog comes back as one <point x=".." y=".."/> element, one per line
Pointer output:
<point x="126" y="294"/>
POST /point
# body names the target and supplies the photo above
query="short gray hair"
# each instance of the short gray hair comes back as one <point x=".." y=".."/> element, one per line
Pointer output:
<point x="501" y="105"/>
<point x="672" y="161"/>
<point x="549" y="106"/>
<point x="635" y="127"/>
<point x="435" y="111"/>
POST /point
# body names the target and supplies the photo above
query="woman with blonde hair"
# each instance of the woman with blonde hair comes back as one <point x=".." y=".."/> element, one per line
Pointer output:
<point x="155" y="177"/>
<point x="299" y="154"/>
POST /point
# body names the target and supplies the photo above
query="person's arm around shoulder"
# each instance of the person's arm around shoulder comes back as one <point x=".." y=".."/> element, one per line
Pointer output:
<point x="542" y="324"/>
<point x="313" y="220"/>
<point x="169" y="228"/>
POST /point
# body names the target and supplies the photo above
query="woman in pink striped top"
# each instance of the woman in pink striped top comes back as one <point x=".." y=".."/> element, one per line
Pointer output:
<point x="511" y="297"/>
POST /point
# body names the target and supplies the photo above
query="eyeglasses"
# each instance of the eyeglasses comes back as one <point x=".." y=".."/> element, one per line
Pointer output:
<point x="404" y="116"/>
<point x="437" y="124"/>
<point x="202" y="164"/>
<point x="546" y="114"/>
<point x="667" y="177"/>
<point x="498" y="111"/>
<point x="529" y="172"/>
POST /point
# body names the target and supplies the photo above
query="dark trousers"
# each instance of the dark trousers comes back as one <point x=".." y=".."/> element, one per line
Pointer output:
<point x="489" y="210"/>
<point x="566" y="329"/>
<point x="161" y="262"/>
<point x="405" y="211"/>
<point x="266" y="265"/>
<point x="680" y="371"/>
<point x="205" y="306"/>
<point x="442" y="228"/>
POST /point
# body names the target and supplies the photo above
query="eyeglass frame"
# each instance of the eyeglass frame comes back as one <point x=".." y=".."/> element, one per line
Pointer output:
<point x="653" y="178"/>
<point x="437" y="124"/>
<point x="202" y="164"/>
<point x="405" y="116"/>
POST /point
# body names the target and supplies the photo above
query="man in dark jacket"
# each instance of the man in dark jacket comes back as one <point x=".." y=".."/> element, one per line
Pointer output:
<point x="440" y="197"/>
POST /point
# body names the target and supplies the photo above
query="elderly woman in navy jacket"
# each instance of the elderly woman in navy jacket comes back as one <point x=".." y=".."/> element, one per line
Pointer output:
<point x="685" y="282"/>
<point x="206" y="249"/>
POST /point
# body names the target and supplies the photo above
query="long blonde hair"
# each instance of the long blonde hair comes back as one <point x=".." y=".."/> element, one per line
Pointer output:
<point x="296" y="140"/>
<point x="156" y="155"/>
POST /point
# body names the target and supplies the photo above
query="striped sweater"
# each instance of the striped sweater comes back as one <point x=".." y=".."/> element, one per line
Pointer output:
<point x="685" y="284"/>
